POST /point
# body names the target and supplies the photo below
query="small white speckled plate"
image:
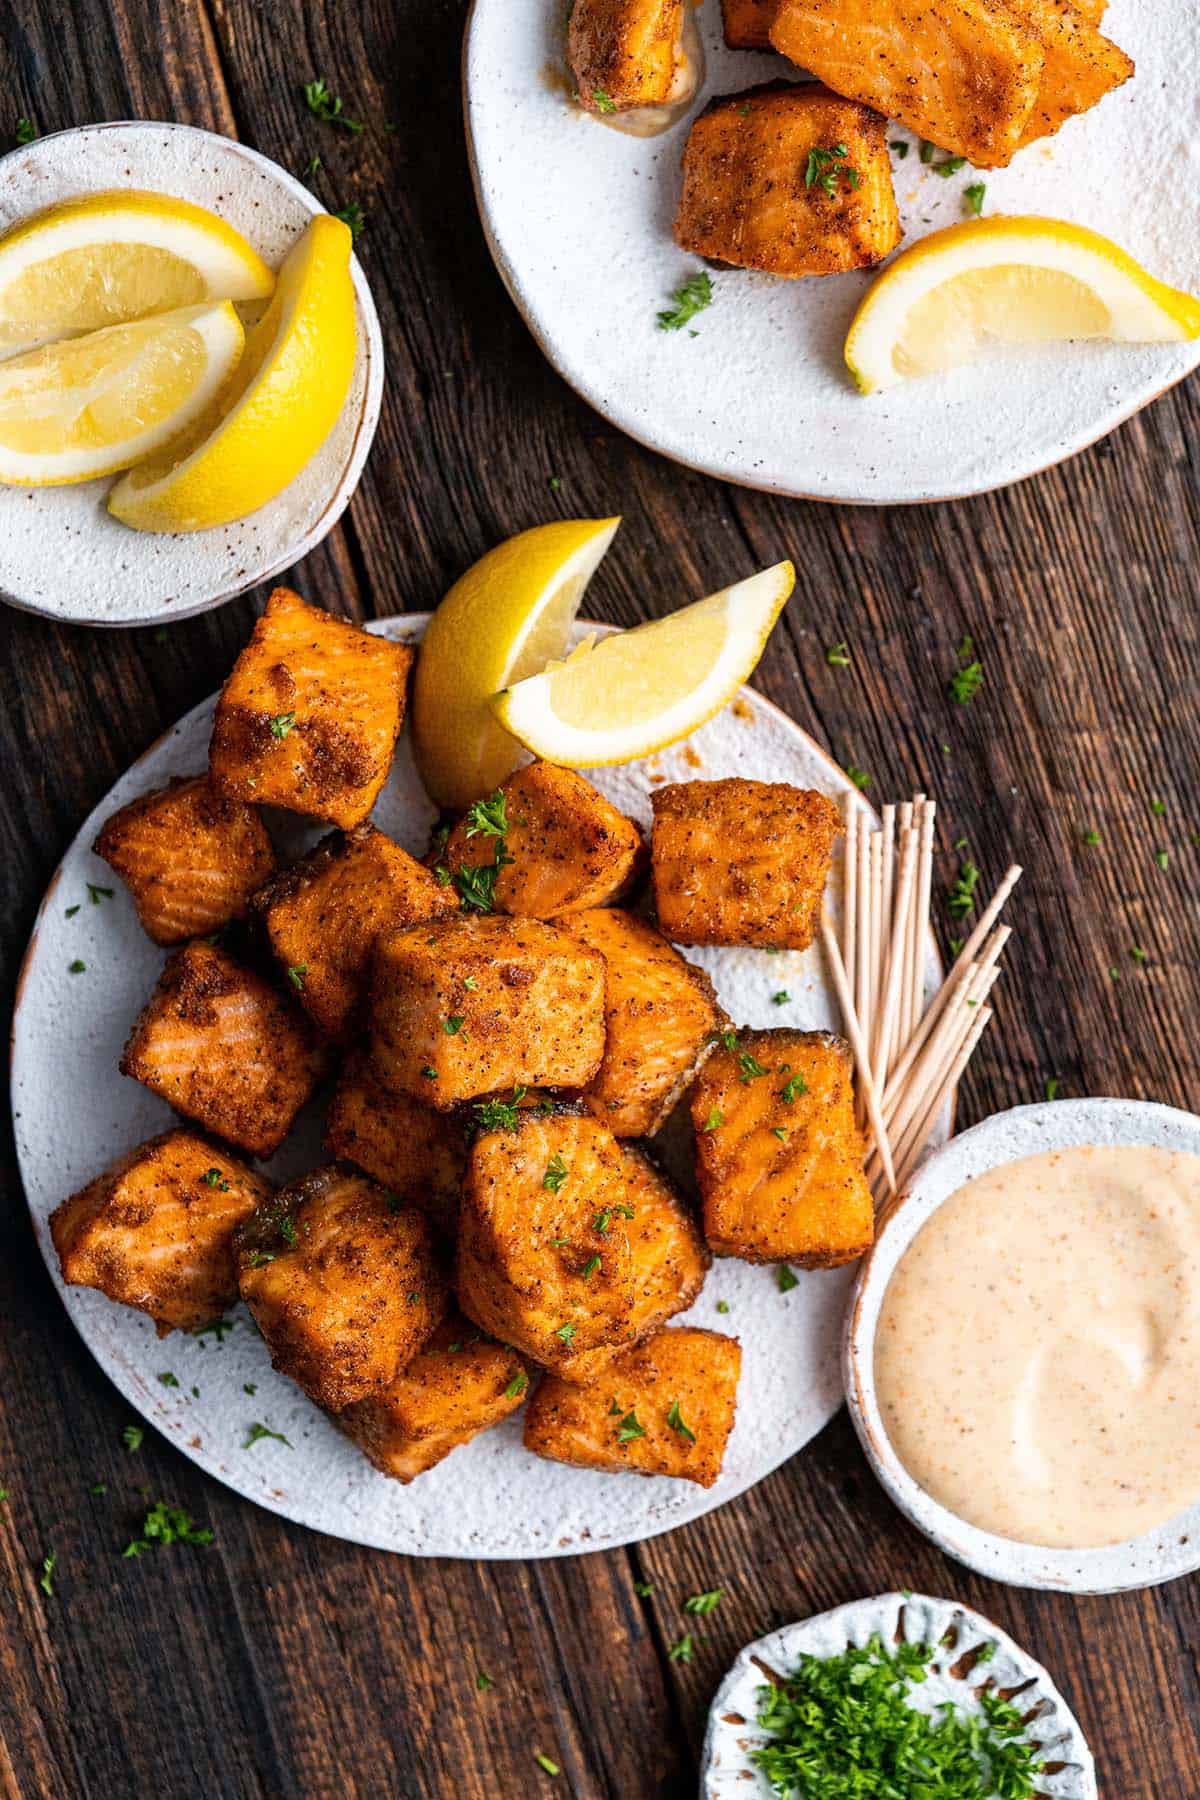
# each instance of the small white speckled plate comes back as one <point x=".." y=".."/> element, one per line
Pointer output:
<point x="728" y="1771"/>
<point x="1160" y="1555"/>
<point x="578" y="218"/>
<point x="73" y="1113"/>
<point x="61" y="552"/>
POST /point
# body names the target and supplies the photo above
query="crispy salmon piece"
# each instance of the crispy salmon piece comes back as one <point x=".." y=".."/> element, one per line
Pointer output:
<point x="562" y="846"/>
<point x="409" y="1149"/>
<point x="218" y="1043"/>
<point x="543" y="1250"/>
<point x="963" y="74"/>
<point x="324" y="914"/>
<point x="659" y="1015"/>
<point x="669" y="1257"/>
<point x="789" y="179"/>
<point x="664" y="1408"/>
<point x="310" y="714"/>
<point x="473" y="1006"/>
<point x="457" y="1386"/>
<point x="628" y="53"/>
<point x="1082" y="65"/>
<point x="779" y="1157"/>
<point x="343" y="1284"/>
<point x="741" y="862"/>
<point x="155" y="1231"/>
<point x="190" y="856"/>
<point x="748" y="23"/>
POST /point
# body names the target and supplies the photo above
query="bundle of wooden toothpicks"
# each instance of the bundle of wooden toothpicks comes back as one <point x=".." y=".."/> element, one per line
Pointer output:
<point x="909" y="1056"/>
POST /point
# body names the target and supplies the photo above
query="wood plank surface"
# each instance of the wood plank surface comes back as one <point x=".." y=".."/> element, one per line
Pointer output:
<point x="280" y="1663"/>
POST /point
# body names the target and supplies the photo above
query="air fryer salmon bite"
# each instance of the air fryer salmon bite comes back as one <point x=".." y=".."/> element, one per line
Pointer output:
<point x="625" y="54"/>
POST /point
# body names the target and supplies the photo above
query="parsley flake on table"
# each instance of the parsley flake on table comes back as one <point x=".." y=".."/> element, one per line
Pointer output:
<point x="132" y="1437"/>
<point x="1162" y="858"/>
<point x="859" y="777"/>
<point x="683" y="1650"/>
<point x="1139" y="955"/>
<point x="837" y="656"/>
<point x="1052" y="1087"/>
<point x="354" y="218"/>
<point x="1158" y="808"/>
<point x="691" y="297"/>
<point x="967" y="679"/>
<point x="961" y="899"/>
<point x="24" y="132"/>
<point x="326" y="106"/>
<point x="46" y="1578"/>
<point x="547" y="1763"/>
<point x="643" y="1589"/>
<point x="700" y="1605"/>
<point x="1091" y="838"/>
<point x="165" y="1524"/>
<point x="483" y="1682"/>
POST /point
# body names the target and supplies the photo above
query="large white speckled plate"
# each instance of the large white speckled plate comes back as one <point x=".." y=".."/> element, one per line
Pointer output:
<point x="579" y="219"/>
<point x="74" y="1112"/>
<point x="61" y="551"/>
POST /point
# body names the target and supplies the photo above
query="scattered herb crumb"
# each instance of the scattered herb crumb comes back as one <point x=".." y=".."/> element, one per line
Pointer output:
<point x="46" y="1578"/>
<point x="354" y="218"/>
<point x="676" y="1422"/>
<point x="326" y="106"/>
<point x="973" y="198"/>
<point x="547" y="1762"/>
<point x="282" y="723"/>
<point x="786" y="1278"/>
<point x="1052" y="1087"/>
<point x="643" y="1589"/>
<point x="165" y="1524"/>
<point x="77" y="967"/>
<point x="782" y="998"/>
<point x="859" y="777"/>
<point x="1162" y="858"/>
<point x="714" y="1121"/>
<point x="1091" y="839"/>
<point x="837" y="656"/>
<point x="258" y="1432"/>
<point x="132" y="1437"/>
<point x="700" y="1605"/>
<point x="824" y="168"/>
<point x="556" y="1173"/>
<point x="168" y="1379"/>
<point x="691" y="297"/>
<point x="629" y="1428"/>
<point x="683" y="1650"/>
<point x="483" y="1682"/>
<point x="961" y="900"/>
<point x="722" y="1306"/>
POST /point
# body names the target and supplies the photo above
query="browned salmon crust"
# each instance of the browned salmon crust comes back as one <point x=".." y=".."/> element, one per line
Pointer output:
<point x="223" y="1048"/>
<point x="310" y="714"/>
<point x="1082" y="66"/>
<point x="567" y="847"/>
<point x="190" y="856"/>
<point x="460" y="1384"/>
<point x="659" y="1012"/>
<point x="343" y="1284"/>
<point x="324" y="914"/>
<point x="543" y="1250"/>
<point x="408" y="1148"/>
<point x="474" y="1006"/>
<point x="741" y="862"/>
<point x="790" y="179"/>
<point x="779" y="1157"/>
<point x="664" y="1408"/>
<point x="748" y="23"/>
<point x="155" y="1231"/>
<point x="963" y="74"/>
<point x="625" y="53"/>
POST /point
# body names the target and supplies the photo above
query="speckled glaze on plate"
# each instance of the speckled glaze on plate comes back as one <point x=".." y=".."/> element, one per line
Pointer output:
<point x="728" y="1773"/>
<point x="1172" y="1549"/>
<point x="578" y="218"/>
<point x="61" y="552"/>
<point x="74" y="1112"/>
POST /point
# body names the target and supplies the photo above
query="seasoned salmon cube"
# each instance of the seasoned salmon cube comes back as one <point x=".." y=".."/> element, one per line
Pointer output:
<point x="779" y="1157"/>
<point x="547" y="842"/>
<point x="309" y="717"/>
<point x="789" y="179"/>
<point x="218" y="1043"/>
<point x="669" y="1257"/>
<point x="748" y="23"/>
<point x="664" y="1408"/>
<point x="629" y="53"/>
<point x="1082" y="66"/>
<point x="155" y="1230"/>
<point x="408" y="1148"/>
<point x="963" y="74"/>
<point x="741" y="862"/>
<point x="543" y="1251"/>
<point x="659" y="1015"/>
<point x="343" y="1283"/>
<point x="477" y="1005"/>
<point x="190" y="856"/>
<point x="324" y="914"/>
<point x="457" y="1386"/>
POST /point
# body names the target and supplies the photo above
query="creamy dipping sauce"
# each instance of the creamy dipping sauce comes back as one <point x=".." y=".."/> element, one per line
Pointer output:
<point x="1037" y="1356"/>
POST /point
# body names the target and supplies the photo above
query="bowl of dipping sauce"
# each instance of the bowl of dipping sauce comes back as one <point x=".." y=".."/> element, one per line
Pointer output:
<point x="1022" y="1348"/>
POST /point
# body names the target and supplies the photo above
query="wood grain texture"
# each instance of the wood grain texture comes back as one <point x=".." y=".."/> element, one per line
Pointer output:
<point x="278" y="1663"/>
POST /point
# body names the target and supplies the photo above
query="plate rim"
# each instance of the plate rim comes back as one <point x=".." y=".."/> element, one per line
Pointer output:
<point x="371" y="349"/>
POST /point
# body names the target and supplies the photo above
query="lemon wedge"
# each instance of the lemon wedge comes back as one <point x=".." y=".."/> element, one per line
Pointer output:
<point x="501" y="621"/>
<point x="282" y="406"/>
<point x="95" y="404"/>
<point x="114" y="257"/>
<point x="1020" y="280"/>
<point x="640" y="690"/>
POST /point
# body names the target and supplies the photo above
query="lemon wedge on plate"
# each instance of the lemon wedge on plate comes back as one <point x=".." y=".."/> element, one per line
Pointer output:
<point x="506" y="618"/>
<point x="1019" y="280"/>
<point x="283" y="404"/>
<point x="95" y="404"/>
<point x="113" y="257"/>
<point x="638" y="691"/>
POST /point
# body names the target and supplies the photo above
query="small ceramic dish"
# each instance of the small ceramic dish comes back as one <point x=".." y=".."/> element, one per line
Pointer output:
<point x="729" y="1771"/>
<point x="1172" y="1549"/>
<point x="61" y="552"/>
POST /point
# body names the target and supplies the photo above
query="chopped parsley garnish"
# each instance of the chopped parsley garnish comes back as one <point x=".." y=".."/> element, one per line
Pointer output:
<point x="258" y="1432"/>
<point x="214" y="1328"/>
<point x="413" y="1297"/>
<point x="690" y="297"/>
<point x="77" y="967"/>
<point x="354" y="218"/>
<point x="1052" y="1088"/>
<point x="132" y="1437"/>
<point x="1162" y="858"/>
<point x="282" y="723"/>
<point x="566" y="1332"/>
<point x="629" y="1428"/>
<point x="722" y="1306"/>
<point x="794" y="1085"/>
<point x="700" y="1605"/>
<point x="859" y="777"/>
<point x="928" y="151"/>
<point x="70" y="911"/>
<point x="500" y="1115"/>
<point x="470" y="983"/>
<point x="780" y="1133"/>
<point x="965" y="683"/>
<point x="900" y="146"/>
<point x="488" y="818"/>
<point x="1158" y="808"/>
<point x="949" y="165"/>
<point x="749" y="1068"/>
<point x="483" y="1682"/>
<point x="453" y="1026"/>
<point x="287" y="1229"/>
<point x="602" y="101"/>
<point x="786" y="1278"/>
<point x="312" y="165"/>
<point x="556" y="1173"/>
<point x="1091" y="838"/>
<point x="165" y="1524"/>
<point x="258" y="1259"/>
<point x="250" y="1387"/>
<point x="837" y="656"/>
<point x="676" y="1422"/>
<point x="684" y="1650"/>
<point x="643" y="1589"/>
<point x="4" y="1493"/>
<point x="782" y="998"/>
<point x="46" y="1578"/>
<point x="961" y="899"/>
<point x="99" y="1489"/>
<point x="96" y="893"/>
<point x="326" y="106"/>
<point x="297" y="974"/>
<point x="973" y="197"/>
<point x="213" y="1178"/>
<point x="477" y="884"/>
<point x="602" y="1221"/>
<point x="517" y="1385"/>
<point x="24" y="132"/>
<point x="429" y="1073"/>
<point x="825" y="166"/>
<point x="168" y="1379"/>
<point x="589" y="1268"/>
<point x="1138" y="954"/>
<point x="714" y="1121"/>
<point x="547" y="1763"/>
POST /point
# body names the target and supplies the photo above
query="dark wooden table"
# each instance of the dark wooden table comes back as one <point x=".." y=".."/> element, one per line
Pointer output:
<point x="282" y="1663"/>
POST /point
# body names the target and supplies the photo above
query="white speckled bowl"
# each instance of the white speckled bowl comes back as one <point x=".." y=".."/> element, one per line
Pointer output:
<point x="728" y="1772"/>
<point x="61" y="552"/>
<point x="1170" y="1550"/>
